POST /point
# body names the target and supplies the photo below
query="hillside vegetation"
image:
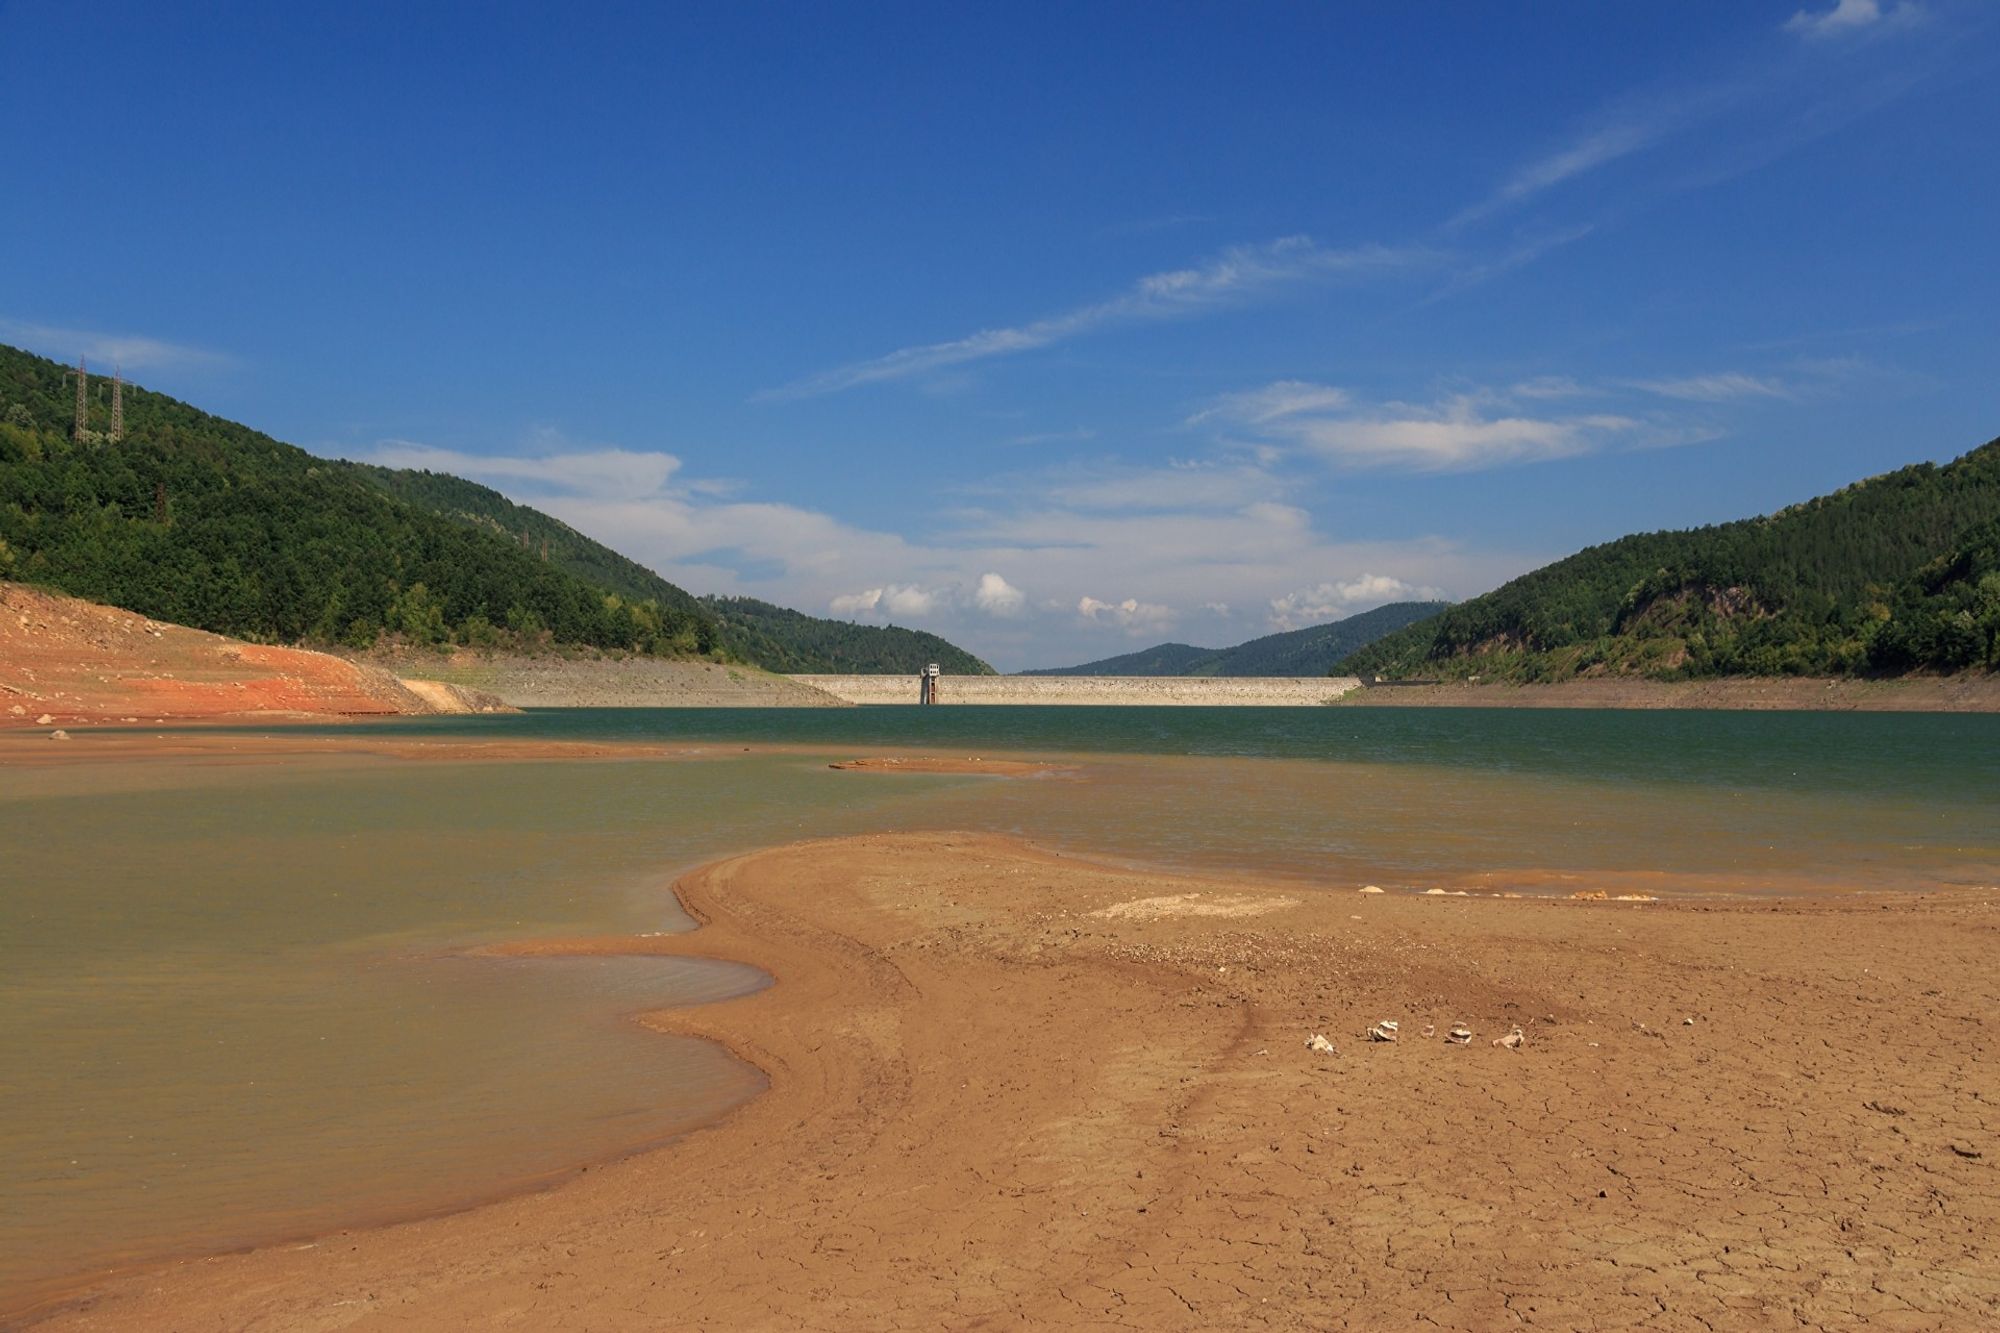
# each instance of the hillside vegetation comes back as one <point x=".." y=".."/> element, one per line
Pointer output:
<point x="746" y="629"/>
<point x="200" y="521"/>
<point x="1312" y="651"/>
<point x="1891" y="574"/>
<point x="792" y="641"/>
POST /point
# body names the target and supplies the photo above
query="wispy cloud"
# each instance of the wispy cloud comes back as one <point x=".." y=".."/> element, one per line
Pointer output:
<point x="607" y="473"/>
<point x="129" y="351"/>
<point x="1235" y="277"/>
<point x="1850" y="16"/>
<point x="1592" y="149"/>
<point x="1281" y="398"/>
<point x="1779" y="101"/>
<point x="1458" y="433"/>
<point x="1725" y="387"/>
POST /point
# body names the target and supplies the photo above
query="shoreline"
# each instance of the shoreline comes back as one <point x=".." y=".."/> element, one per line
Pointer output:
<point x="1973" y="692"/>
<point x="944" y="1157"/>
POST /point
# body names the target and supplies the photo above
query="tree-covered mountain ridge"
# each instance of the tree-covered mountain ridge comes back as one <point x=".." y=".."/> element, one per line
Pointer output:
<point x="1311" y="651"/>
<point x="770" y="636"/>
<point x="1896" y="573"/>
<point x="192" y="518"/>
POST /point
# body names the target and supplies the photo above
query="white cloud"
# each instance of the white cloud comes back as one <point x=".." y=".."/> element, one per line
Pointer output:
<point x="1131" y="615"/>
<point x="1282" y="398"/>
<point x="124" y="351"/>
<point x="909" y="601"/>
<point x="1209" y="537"/>
<point x="991" y="594"/>
<point x="1183" y="485"/>
<point x="1237" y="275"/>
<point x="855" y="603"/>
<point x="1727" y="386"/>
<point x="902" y="600"/>
<point x="607" y="473"/>
<point x="1849" y="16"/>
<point x="997" y="597"/>
<point x="1455" y="434"/>
<point x="1334" y="601"/>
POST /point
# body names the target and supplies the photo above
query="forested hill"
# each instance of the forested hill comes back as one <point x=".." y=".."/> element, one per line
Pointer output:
<point x="1300" y="652"/>
<point x="201" y="521"/>
<point x="773" y="637"/>
<point x="784" y="640"/>
<point x="1895" y="573"/>
<point x="535" y="532"/>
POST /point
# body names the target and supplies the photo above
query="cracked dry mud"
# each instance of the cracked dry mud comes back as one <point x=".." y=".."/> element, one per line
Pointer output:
<point x="994" y="1106"/>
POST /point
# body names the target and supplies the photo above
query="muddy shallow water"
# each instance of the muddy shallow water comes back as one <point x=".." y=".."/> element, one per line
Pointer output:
<point x="234" y="1004"/>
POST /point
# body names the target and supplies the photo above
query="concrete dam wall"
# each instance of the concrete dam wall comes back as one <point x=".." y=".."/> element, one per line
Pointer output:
<point x="1199" y="691"/>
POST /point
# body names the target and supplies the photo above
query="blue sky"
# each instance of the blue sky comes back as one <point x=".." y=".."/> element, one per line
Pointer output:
<point x="1056" y="329"/>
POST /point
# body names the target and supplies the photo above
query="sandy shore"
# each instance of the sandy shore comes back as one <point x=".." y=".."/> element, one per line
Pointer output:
<point x="1014" y="1089"/>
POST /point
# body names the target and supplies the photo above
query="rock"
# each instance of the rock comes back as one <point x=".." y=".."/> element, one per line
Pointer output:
<point x="1460" y="1035"/>
<point x="59" y="735"/>
<point x="44" y="720"/>
<point x="1386" y="1030"/>
<point x="1513" y="1041"/>
<point x="1371" y="888"/>
<point x="1319" y="1044"/>
<point x="18" y="711"/>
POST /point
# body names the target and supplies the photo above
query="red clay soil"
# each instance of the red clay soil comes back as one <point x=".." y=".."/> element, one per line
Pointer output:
<point x="66" y="662"/>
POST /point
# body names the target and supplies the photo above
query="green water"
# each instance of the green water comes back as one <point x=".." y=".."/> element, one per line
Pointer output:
<point x="232" y="1007"/>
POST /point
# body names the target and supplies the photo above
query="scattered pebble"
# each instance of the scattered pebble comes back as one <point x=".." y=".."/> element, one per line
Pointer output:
<point x="1318" y="1043"/>
<point x="1460" y="1035"/>
<point x="1386" y="1030"/>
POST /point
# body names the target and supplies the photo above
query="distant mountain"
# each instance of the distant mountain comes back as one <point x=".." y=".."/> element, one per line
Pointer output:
<point x="1301" y="652"/>
<point x="791" y="641"/>
<point x="1898" y="572"/>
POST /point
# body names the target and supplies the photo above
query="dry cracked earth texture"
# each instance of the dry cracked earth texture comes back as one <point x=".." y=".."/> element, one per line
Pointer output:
<point x="993" y="1105"/>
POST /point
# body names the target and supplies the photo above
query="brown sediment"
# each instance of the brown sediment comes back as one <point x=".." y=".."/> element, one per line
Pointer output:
<point x="200" y="743"/>
<point x="1003" y="1094"/>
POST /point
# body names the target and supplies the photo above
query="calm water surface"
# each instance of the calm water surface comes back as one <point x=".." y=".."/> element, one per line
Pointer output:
<point x="232" y="1006"/>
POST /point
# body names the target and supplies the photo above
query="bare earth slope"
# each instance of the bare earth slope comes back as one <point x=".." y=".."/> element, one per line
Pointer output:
<point x="67" y="662"/>
<point x="1011" y="1089"/>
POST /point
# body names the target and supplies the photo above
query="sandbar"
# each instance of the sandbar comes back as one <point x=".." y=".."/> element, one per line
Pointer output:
<point x="1001" y="1095"/>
